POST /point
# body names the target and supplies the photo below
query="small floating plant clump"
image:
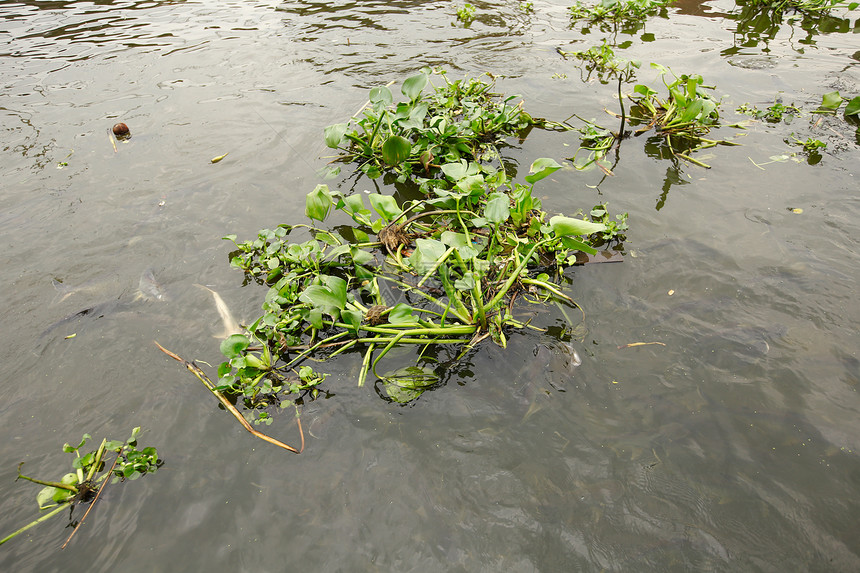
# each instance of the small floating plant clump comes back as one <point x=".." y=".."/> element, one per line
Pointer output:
<point x="617" y="11"/>
<point x="462" y="119"/>
<point x="88" y="477"/>
<point x="442" y="271"/>
<point x="683" y="118"/>
<point x="811" y="6"/>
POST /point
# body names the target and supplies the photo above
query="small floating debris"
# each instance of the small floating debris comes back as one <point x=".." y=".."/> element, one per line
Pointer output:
<point x="121" y="131"/>
<point x="219" y="158"/>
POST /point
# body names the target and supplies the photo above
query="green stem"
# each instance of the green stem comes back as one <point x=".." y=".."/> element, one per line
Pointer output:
<point x="315" y="346"/>
<point x="35" y="522"/>
<point x="440" y="331"/>
<point x="546" y="286"/>
<point x="514" y="276"/>
<point x="365" y="365"/>
<point x="691" y="160"/>
<point x="435" y="267"/>
<point x="446" y="308"/>
<point x="385" y="350"/>
<point x="55" y="484"/>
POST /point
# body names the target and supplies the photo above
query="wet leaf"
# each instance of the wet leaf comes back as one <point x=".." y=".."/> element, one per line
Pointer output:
<point x="219" y="158"/>
<point x="541" y="168"/>
<point x="412" y="86"/>
<point x="352" y="318"/>
<point x="386" y="206"/>
<point x="318" y="203"/>
<point x="400" y="313"/>
<point x="396" y="150"/>
<point x="566" y="226"/>
<point x="853" y="107"/>
<point x="498" y="208"/>
<point x="406" y="384"/>
<point x="381" y="96"/>
<point x="831" y="101"/>
<point x="334" y="134"/>
<point x="233" y="345"/>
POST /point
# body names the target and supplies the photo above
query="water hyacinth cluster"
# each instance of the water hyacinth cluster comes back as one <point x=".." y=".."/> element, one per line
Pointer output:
<point x="454" y="262"/>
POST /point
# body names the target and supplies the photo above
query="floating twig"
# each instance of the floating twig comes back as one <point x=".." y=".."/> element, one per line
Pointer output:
<point x="634" y="344"/>
<point x="87" y="512"/>
<point x="194" y="369"/>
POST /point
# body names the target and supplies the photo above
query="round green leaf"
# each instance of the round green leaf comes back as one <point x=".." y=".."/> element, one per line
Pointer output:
<point x="412" y="86"/>
<point x="381" y="95"/>
<point x="396" y="150"/>
<point x="334" y="134"/>
<point x="233" y="345"/>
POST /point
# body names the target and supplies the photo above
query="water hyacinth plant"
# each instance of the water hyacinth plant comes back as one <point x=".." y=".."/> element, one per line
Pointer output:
<point x="88" y="477"/>
<point x="445" y="270"/>
<point x="622" y="12"/>
<point x="461" y="119"/>
<point x="681" y="119"/>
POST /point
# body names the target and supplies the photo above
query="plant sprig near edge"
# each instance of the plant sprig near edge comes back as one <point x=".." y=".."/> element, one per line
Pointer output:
<point x="456" y="262"/>
<point x="683" y="118"/>
<point x="82" y="484"/>
<point x="462" y="119"/>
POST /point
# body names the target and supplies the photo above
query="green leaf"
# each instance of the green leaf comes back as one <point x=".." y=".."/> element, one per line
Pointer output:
<point x="412" y="86"/>
<point x="455" y="171"/>
<point x="318" y="203"/>
<point x="360" y="256"/>
<point x="314" y="318"/>
<point x="337" y="286"/>
<point x="395" y="150"/>
<point x="233" y="345"/>
<point x="352" y="318"/>
<point x="564" y="226"/>
<point x="541" y="168"/>
<point x="386" y="206"/>
<point x="426" y="253"/>
<point x="401" y="313"/>
<point x="577" y="245"/>
<point x="471" y="184"/>
<point x="381" y="96"/>
<point x="323" y="299"/>
<point x="406" y="384"/>
<point x="459" y="241"/>
<point x="831" y="101"/>
<point x="853" y="107"/>
<point x="498" y="208"/>
<point x="355" y="205"/>
<point x="334" y="134"/>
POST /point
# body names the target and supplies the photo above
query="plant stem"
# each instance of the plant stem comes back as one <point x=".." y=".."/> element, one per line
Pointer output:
<point x="35" y="522"/>
<point x="514" y="276"/>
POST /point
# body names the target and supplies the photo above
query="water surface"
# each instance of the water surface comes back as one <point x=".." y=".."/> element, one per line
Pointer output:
<point x="731" y="448"/>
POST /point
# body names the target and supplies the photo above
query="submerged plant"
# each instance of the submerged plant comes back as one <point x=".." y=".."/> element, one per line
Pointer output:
<point x="462" y="119"/>
<point x="84" y="484"/>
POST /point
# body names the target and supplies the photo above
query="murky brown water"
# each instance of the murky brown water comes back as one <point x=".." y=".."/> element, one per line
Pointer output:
<point x="731" y="448"/>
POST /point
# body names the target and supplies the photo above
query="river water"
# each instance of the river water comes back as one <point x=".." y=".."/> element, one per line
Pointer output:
<point x="733" y="446"/>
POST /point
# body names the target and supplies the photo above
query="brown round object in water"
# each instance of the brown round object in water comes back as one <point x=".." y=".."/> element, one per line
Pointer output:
<point x="121" y="130"/>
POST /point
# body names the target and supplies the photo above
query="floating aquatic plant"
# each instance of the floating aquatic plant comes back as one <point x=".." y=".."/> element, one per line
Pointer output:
<point x="88" y="477"/>
<point x="455" y="264"/>
<point x="461" y="119"/>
